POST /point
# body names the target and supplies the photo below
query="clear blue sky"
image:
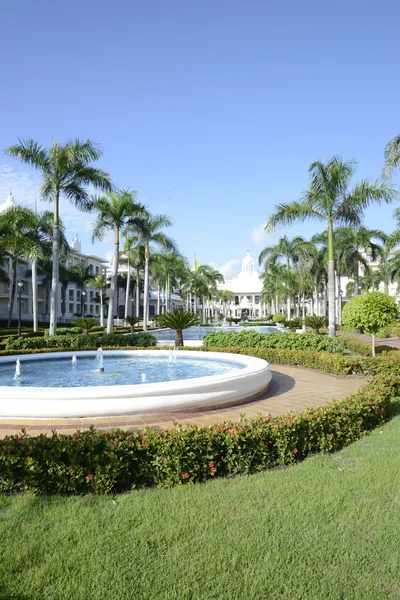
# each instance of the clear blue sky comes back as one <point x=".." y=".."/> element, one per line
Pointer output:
<point x="212" y="110"/>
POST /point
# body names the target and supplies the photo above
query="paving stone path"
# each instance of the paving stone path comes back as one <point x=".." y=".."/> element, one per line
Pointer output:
<point x="291" y="389"/>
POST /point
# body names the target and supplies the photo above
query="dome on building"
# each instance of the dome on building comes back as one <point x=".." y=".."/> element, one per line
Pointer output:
<point x="248" y="264"/>
<point x="76" y="245"/>
<point x="9" y="203"/>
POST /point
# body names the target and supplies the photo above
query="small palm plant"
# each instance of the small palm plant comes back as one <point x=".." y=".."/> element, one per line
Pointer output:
<point x="178" y="322"/>
<point x="86" y="323"/>
<point x="132" y="321"/>
<point x="316" y="323"/>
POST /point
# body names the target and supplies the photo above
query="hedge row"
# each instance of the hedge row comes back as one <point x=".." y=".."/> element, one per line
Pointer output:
<point x="292" y="341"/>
<point x="97" y="462"/>
<point x="82" y="342"/>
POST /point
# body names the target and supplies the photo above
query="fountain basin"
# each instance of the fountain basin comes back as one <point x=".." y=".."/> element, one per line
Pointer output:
<point x="247" y="381"/>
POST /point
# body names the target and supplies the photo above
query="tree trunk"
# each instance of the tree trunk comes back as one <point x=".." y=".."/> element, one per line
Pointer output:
<point x="178" y="337"/>
<point x="101" y="308"/>
<point x="34" y="295"/>
<point x="63" y="299"/>
<point x="331" y="284"/>
<point x="373" y="344"/>
<point x="56" y="266"/>
<point x="339" y="300"/>
<point x="168" y="294"/>
<point x="158" y="297"/>
<point x="114" y="280"/>
<point x="137" y="294"/>
<point x="356" y="269"/>
<point x="146" y="286"/>
<point x="128" y="284"/>
<point x="12" y="292"/>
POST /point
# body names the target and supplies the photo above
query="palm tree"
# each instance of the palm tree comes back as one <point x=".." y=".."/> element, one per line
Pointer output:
<point x="289" y="250"/>
<point x="225" y="297"/>
<point x="81" y="275"/>
<point x="177" y="321"/>
<point x="19" y="240"/>
<point x="115" y="209"/>
<point x="329" y="200"/>
<point x="392" y="155"/>
<point x="42" y="250"/>
<point x="148" y="228"/>
<point x="98" y="283"/>
<point x="67" y="171"/>
<point x="126" y="258"/>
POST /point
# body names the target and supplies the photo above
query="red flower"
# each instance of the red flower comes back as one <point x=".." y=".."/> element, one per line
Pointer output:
<point x="69" y="467"/>
<point x="233" y="431"/>
<point x="329" y="417"/>
<point x="185" y="475"/>
<point x="116" y="439"/>
<point x="210" y="464"/>
<point x="295" y="450"/>
<point x="90" y="476"/>
<point x="213" y="470"/>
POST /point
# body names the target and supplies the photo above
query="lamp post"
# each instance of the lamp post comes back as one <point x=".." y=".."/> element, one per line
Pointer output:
<point x="83" y="303"/>
<point x="20" y="286"/>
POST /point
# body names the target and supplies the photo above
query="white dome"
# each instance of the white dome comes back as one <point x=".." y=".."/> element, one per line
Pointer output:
<point x="9" y="203"/>
<point x="76" y="245"/>
<point x="248" y="264"/>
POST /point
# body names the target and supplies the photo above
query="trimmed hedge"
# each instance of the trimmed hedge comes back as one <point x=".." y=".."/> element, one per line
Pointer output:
<point x="291" y="341"/>
<point x="98" y="462"/>
<point x="83" y="342"/>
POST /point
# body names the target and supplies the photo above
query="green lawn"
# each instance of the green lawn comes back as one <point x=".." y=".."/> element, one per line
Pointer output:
<point x="328" y="528"/>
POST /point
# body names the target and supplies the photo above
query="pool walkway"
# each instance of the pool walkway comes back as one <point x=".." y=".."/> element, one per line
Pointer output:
<point x="291" y="389"/>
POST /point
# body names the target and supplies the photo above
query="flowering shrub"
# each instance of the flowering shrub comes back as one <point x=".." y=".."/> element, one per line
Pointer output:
<point x="93" y="461"/>
<point x="292" y="341"/>
<point x="82" y="342"/>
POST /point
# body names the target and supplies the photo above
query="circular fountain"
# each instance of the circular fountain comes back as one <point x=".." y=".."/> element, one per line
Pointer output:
<point x="126" y="382"/>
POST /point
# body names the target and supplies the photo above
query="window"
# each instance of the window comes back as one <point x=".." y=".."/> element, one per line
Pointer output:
<point x="97" y="270"/>
<point x="152" y="310"/>
<point x="257" y="299"/>
<point x="91" y="296"/>
<point x="78" y="295"/>
<point x="97" y="309"/>
<point x="236" y="300"/>
<point x="71" y="295"/>
<point x="71" y="308"/>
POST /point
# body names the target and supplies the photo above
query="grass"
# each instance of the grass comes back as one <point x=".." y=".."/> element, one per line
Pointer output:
<point x="327" y="528"/>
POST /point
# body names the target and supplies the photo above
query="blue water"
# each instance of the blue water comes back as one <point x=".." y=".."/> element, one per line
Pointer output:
<point x="198" y="333"/>
<point x="118" y="370"/>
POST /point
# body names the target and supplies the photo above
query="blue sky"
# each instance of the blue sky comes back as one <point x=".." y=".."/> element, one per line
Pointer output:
<point x="213" y="111"/>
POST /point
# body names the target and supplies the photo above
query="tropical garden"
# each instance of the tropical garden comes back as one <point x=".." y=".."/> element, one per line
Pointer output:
<point x="291" y="506"/>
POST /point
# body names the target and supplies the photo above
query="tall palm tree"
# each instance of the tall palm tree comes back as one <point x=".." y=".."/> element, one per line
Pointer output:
<point x="19" y="239"/>
<point x="81" y="275"/>
<point x="130" y="242"/>
<point x="329" y="200"/>
<point x="355" y="245"/>
<point x="98" y="283"/>
<point x="66" y="171"/>
<point x="289" y="250"/>
<point x="148" y="228"/>
<point x="41" y="249"/>
<point x="225" y="297"/>
<point x="114" y="211"/>
<point x="392" y="155"/>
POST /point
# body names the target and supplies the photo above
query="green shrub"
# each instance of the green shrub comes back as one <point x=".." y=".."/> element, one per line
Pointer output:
<point x="370" y="312"/>
<point x="253" y="339"/>
<point x="278" y="318"/>
<point x="93" y="461"/>
<point x="97" y="329"/>
<point x="63" y="331"/>
<point x="316" y="322"/>
<point x="295" y="323"/>
<point x="89" y="342"/>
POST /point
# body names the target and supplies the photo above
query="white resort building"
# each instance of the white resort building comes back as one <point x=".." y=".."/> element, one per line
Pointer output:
<point x="246" y="288"/>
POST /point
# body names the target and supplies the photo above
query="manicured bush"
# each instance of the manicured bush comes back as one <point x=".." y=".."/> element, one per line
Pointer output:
<point x="72" y="342"/>
<point x="93" y="461"/>
<point x="253" y="339"/>
<point x="278" y="318"/>
<point x="370" y="312"/>
<point x="63" y="331"/>
<point x="316" y="322"/>
<point x="296" y="323"/>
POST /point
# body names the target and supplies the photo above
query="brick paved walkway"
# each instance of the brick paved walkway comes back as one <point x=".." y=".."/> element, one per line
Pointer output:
<point x="291" y="388"/>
